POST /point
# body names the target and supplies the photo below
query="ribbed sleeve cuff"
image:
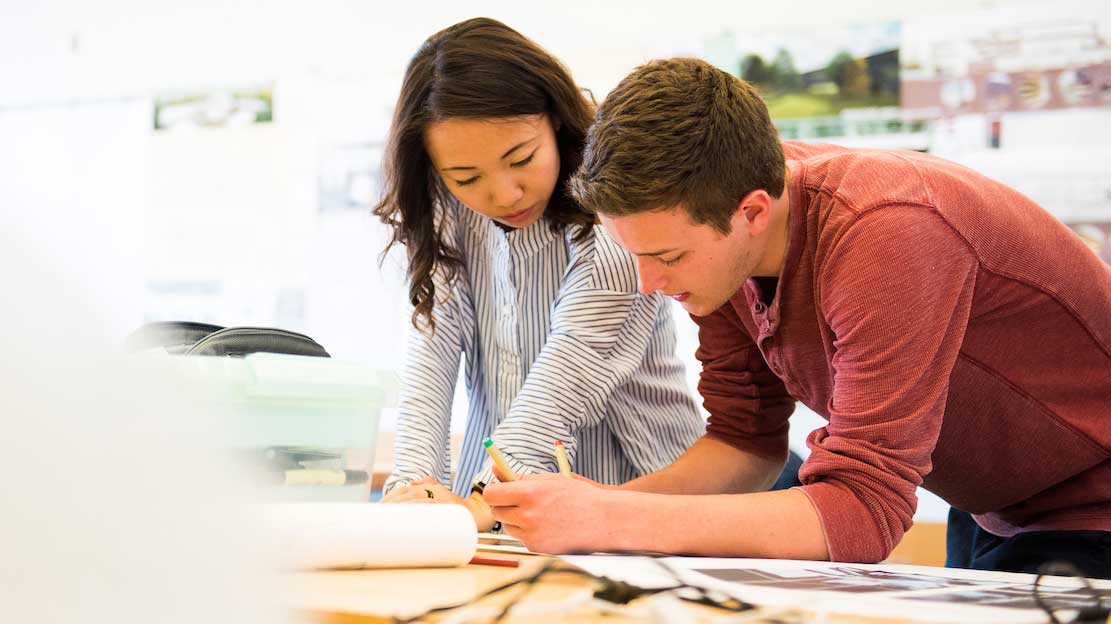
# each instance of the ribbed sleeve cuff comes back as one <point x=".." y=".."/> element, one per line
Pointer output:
<point x="851" y="532"/>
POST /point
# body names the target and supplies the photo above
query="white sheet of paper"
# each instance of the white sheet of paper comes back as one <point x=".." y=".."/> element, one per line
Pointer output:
<point x="499" y="542"/>
<point x="499" y="538"/>
<point x="507" y="548"/>
<point x="369" y="535"/>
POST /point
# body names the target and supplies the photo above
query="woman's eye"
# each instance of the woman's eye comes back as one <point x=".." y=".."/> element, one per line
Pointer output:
<point x="467" y="181"/>
<point x="522" y="163"/>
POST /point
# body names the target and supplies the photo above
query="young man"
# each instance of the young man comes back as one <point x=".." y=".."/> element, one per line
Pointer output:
<point x="954" y="334"/>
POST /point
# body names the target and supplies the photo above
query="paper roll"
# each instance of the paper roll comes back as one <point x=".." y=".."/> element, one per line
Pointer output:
<point x="370" y="535"/>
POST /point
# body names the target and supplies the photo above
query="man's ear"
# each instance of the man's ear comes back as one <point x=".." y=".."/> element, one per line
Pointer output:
<point x="754" y="212"/>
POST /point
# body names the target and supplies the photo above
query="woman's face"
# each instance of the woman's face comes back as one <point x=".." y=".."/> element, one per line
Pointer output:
<point x="503" y="168"/>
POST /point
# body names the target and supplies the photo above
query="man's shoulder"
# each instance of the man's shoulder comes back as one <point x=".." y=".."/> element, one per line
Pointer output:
<point x="863" y="179"/>
<point x="802" y="151"/>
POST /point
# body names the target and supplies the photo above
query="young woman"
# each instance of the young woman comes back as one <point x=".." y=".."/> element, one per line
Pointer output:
<point x="506" y="269"/>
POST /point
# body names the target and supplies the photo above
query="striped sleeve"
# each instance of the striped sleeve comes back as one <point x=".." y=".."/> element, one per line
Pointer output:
<point x="421" y="443"/>
<point x="601" y="330"/>
<point x="653" y="414"/>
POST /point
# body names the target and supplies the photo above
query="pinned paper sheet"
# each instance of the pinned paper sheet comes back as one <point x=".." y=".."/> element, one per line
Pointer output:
<point x="370" y="535"/>
<point x="498" y="542"/>
<point x="912" y="593"/>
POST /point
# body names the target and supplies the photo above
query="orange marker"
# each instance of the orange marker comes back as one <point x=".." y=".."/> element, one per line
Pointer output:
<point x="561" y="459"/>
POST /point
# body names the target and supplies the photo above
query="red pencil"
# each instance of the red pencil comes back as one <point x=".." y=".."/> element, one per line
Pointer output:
<point x="505" y="563"/>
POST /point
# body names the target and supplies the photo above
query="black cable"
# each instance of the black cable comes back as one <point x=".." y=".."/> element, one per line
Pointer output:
<point x="612" y="591"/>
<point x="529" y="584"/>
<point x="704" y="596"/>
<point x="528" y="580"/>
<point x="1097" y="612"/>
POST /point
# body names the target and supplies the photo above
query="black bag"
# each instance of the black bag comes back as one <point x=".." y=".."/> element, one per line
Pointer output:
<point x="189" y="338"/>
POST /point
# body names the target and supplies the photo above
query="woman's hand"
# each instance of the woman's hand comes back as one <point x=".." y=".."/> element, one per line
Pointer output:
<point x="428" y="490"/>
<point x="421" y="490"/>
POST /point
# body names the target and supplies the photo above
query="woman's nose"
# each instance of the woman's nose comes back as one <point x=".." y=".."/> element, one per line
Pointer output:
<point x="507" y="192"/>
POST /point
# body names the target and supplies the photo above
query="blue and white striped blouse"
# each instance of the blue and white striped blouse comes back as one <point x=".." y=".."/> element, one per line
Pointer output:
<point x="559" y="346"/>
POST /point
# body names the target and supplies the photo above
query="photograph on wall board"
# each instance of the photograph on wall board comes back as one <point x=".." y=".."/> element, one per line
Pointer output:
<point x="214" y="108"/>
<point x="839" y="85"/>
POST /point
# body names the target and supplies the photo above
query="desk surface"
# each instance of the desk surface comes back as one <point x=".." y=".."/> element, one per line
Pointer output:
<point x="371" y="596"/>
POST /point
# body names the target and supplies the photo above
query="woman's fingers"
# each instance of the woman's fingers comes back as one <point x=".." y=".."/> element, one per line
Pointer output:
<point x="407" y="494"/>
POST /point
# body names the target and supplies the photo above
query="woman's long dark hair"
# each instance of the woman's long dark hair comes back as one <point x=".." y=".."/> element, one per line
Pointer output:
<point x="475" y="69"/>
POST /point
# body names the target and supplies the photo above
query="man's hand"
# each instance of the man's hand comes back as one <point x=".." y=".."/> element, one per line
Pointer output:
<point x="553" y="514"/>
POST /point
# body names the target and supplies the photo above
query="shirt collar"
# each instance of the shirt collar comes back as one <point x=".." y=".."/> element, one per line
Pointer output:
<point x="522" y="242"/>
<point x="796" y="222"/>
<point x="796" y="237"/>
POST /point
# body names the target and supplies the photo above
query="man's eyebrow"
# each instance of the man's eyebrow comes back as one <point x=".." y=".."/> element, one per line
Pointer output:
<point x="654" y="253"/>
<point x="505" y="155"/>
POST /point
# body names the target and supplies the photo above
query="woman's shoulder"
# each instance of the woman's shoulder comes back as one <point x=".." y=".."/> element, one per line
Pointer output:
<point x="610" y="267"/>
<point x="461" y="227"/>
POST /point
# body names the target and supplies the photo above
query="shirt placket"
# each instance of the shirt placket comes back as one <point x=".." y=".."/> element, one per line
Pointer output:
<point x="508" y="349"/>
<point x="767" y="323"/>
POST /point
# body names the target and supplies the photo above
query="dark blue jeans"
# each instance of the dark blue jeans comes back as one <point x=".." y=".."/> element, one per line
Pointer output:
<point x="969" y="546"/>
<point x="789" y="478"/>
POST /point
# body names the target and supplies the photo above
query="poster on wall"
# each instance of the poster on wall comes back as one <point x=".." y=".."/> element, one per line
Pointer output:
<point x="214" y="108"/>
<point x="1096" y="235"/>
<point x="840" y="84"/>
<point x="1021" y="94"/>
<point x="1023" y="58"/>
<point x="349" y="176"/>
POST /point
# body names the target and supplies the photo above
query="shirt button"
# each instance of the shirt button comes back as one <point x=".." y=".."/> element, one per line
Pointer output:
<point x="759" y="307"/>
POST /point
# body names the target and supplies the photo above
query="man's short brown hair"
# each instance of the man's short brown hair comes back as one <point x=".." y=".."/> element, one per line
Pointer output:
<point x="679" y="132"/>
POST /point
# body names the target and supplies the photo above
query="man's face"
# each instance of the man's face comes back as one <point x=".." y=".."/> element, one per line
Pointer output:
<point x="694" y="264"/>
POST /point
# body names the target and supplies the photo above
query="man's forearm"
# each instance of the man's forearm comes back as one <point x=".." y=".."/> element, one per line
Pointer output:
<point x="710" y="466"/>
<point x="774" y="525"/>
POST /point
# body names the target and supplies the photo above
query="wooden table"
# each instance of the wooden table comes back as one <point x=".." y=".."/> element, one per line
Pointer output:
<point x="367" y="596"/>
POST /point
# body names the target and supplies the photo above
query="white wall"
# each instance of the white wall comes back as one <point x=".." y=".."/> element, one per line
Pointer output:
<point x="72" y="181"/>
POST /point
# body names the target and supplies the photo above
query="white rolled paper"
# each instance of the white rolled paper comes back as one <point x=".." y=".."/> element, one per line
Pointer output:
<point x="370" y="535"/>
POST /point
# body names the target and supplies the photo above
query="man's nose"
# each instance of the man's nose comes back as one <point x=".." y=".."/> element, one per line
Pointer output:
<point x="648" y="277"/>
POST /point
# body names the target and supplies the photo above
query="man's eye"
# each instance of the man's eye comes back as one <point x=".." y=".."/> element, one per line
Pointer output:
<point x="673" y="261"/>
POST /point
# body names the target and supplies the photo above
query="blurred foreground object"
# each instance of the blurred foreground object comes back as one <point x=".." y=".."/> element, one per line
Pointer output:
<point x="108" y="514"/>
